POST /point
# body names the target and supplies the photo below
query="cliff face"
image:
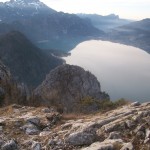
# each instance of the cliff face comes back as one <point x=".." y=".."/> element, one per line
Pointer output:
<point x="67" y="85"/>
<point x="10" y="91"/>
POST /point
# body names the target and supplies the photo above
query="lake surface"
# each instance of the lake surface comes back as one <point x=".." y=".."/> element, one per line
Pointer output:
<point x="123" y="71"/>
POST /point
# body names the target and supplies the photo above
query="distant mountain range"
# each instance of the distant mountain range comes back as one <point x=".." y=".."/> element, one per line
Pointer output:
<point x="27" y="63"/>
<point x="44" y="26"/>
<point x="104" y="23"/>
<point x="135" y="34"/>
<point x="18" y="9"/>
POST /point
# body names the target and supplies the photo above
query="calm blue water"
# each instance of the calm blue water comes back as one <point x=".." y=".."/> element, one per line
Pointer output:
<point x="123" y="71"/>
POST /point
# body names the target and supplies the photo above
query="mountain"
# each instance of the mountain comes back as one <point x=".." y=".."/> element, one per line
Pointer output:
<point x="67" y="87"/>
<point x="45" y="27"/>
<point x="104" y="23"/>
<point x="17" y="9"/>
<point x="135" y="34"/>
<point x="27" y="63"/>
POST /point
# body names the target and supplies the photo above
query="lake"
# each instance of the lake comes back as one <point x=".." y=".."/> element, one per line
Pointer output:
<point x="123" y="71"/>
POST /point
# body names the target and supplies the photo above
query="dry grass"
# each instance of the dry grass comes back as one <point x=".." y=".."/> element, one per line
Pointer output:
<point x="73" y="116"/>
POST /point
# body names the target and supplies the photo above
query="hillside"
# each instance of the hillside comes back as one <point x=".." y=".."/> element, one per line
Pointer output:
<point x="127" y="127"/>
<point x="135" y="34"/>
<point x="45" y="27"/>
<point x="27" y="63"/>
<point x="69" y="87"/>
<point x="105" y="23"/>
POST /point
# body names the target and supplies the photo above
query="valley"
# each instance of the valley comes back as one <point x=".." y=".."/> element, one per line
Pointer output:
<point x="73" y="81"/>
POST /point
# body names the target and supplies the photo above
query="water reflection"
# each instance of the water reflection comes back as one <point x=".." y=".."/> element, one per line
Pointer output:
<point x="123" y="71"/>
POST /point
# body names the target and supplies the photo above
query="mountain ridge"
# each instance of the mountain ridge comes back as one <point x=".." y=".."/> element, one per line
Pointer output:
<point x="136" y="34"/>
<point x="47" y="25"/>
<point x="25" y="60"/>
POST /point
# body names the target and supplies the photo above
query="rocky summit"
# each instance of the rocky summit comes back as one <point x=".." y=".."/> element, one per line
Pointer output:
<point x="68" y="87"/>
<point x="42" y="128"/>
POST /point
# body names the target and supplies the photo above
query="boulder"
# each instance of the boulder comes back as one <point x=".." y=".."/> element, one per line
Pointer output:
<point x="65" y="87"/>
<point x="146" y="141"/>
<point x="36" y="146"/>
<point x="130" y="123"/>
<point x="114" y="135"/>
<point x="147" y="134"/>
<point x="10" y="145"/>
<point x="34" y="120"/>
<point x="127" y="146"/>
<point x="135" y="104"/>
<point x="30" y="129"/>
<point x="85" y="137"/>
<point x="99" y="146"/>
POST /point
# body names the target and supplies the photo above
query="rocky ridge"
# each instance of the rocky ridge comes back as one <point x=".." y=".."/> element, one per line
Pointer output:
<point x="27" y="63"/>
<point x="10" y="91"/>
<point x="67" y="86"/>
<point x="29" y="128"/>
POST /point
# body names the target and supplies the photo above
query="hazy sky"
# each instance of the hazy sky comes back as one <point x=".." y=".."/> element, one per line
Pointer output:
<point x="131" y="9"/>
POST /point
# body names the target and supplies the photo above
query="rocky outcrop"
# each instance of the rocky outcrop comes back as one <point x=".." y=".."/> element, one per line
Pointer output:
<point x="5" y="80"/>
<point x="10" y="91"/>
<point x="23" y="127"/>
<point x="66" y="87"/>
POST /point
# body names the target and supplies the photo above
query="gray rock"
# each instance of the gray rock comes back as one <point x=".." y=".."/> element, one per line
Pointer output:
<point x="44" y="133"/>
<point x="1" y="142"/>
<point x="10" y="145"/>
<point x="1" y="129"/>
<point x="140" y="134"/>
<point x="36" y="146"/>
<point x="79" y="138"/>
<point x="66" y="126"/>
<point x="114" y="135"/>
<point x="147" y="133"/>
<point x="52" y="142"/>
<point x="147" y="141"/>
<point x="130" y="123"/>
<point x="46" y="110"/>
<point x="34" y="120"/>
<point x="2" y="122"/>
<point x="66" y="85"/>
<point x="30" y="129"/>
<point x="140" y="128"/>
<point x="16" y="106"/>
<point x="127" y="146"/>
<point x="59" y="142"/>
<point x="135" y="104"/>
<point x="99" y="146"/>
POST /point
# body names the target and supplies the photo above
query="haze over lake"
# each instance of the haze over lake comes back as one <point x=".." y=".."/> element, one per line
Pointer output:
<point x="123" y="71"/>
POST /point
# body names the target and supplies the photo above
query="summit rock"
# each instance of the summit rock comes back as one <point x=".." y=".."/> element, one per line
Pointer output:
<point x="69" y="86"/>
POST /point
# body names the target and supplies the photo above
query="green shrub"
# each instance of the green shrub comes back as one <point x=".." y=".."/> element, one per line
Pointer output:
<point x="103" y="105"/>
<point x="86" y="101"/>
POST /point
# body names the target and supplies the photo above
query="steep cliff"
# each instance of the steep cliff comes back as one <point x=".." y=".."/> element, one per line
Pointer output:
<point x="69" y="87"/>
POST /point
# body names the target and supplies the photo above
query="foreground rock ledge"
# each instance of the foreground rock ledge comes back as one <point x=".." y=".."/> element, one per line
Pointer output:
<point x="127" y="127"/>
<point x="66" y="86"/>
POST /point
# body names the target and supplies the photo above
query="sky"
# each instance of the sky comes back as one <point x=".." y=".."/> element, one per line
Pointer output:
<point x="129" y="9"/>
